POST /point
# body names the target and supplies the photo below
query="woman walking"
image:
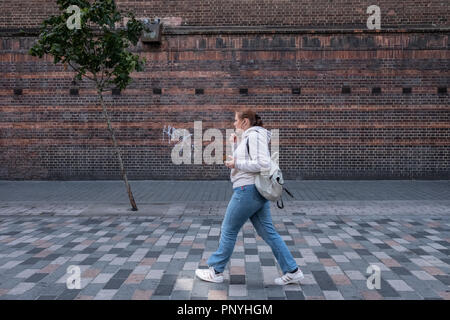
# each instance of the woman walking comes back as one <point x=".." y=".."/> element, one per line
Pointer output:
<point x="247" y="203"/>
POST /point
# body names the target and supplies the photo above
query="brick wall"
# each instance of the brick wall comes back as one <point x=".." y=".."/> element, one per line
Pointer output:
<point x="325" y="133"/>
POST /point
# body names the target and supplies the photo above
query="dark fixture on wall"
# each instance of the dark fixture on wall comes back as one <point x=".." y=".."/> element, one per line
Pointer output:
<point x="296" y="90"/>
<point x="116" y="91"/>
<point x="243" y="90"/>
<point x="18" y="91"/>
<point x="199" y="91"/>
<point x="346" y="90"/>
<point x="376" y="90"/>
<point x="156" y="90"/>
<point x="73" y="91"/>
<point x="407" y="90"/>
<point x="442" y="90"/>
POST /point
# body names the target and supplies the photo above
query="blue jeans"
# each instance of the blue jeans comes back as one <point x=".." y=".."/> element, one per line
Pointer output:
<point x="246" y="203"/>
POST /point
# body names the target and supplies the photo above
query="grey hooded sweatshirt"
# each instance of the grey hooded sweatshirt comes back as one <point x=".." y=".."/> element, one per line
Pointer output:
<point x="246" y="168"/>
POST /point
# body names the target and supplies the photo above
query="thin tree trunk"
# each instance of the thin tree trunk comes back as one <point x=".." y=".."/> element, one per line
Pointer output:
<point x="122" y="169"/>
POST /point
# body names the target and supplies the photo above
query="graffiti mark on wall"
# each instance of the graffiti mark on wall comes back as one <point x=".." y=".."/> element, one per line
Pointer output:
<point x="172" y="135"/>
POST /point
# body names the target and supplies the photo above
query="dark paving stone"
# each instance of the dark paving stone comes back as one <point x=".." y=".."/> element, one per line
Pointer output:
<point x="401" y="271"/>
<point x="114" y="283"/>
<point x="267" y="262"/>
<point x="69" y="294"/>
<point x="153" y="254"/>
<point x="46" y="297"/>
<point x="365" y="225"/>
<point x="400" y="258"/>
<point x="419" y="251"/>
<point x="70" y="245"/>
<point x="322" y="255"/>
<point x="122" y="274"/>
<point x="10" y="233"/>
<point x="294" y="295"/>
<point x="35" y="250"/>
<point x="248" y="251"/>
<point x="386" y="290"/>
<point x="237" y="279"/>
<point x="195" y="251"/>
<point x="89" y="261"/>
<point x="444" y="243"/>
<point x="89" y="250"/>
<point x="363" y="252"/>
<point x="36" y="277"/>
<point x="20" y="245"/>
<point x="443" y="278"/>
<point x="163" y="290"/>
<point x="31" y="261"/>
<point x="324" y="280"/>
<point x="254" y="285"/>
<point x="168" y="279"/>
<point x="52" y="256"/>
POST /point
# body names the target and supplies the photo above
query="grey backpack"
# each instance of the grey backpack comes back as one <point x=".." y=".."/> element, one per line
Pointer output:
<point x="269" y="183"/>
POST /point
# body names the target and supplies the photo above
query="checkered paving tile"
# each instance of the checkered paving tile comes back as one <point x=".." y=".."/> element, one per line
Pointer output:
<point x="155" y="258"/>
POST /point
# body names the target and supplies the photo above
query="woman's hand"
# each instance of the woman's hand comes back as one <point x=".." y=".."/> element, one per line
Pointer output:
<point x="230" y="163"/>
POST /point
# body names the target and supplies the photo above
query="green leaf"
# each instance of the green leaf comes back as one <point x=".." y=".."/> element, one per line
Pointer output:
<point x="98" y="47"/>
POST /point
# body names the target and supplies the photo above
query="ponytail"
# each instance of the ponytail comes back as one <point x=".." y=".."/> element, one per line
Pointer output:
<point x="258" y="121"/>
<point x="255" y="119"/>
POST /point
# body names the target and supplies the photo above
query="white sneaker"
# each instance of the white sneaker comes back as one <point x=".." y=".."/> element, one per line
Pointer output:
<point x="290" y="278"/>
<point x="209" y="275"/>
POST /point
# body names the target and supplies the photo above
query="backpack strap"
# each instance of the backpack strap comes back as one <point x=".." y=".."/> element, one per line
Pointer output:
<point x="248" y="147"/>
<point x="284" y="188"/>
<point x="282" y="204"/>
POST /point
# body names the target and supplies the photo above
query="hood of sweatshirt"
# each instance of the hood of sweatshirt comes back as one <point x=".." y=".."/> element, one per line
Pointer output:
<point x="260" y="130"/>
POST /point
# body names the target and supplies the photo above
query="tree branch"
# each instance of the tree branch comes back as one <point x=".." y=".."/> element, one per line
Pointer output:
<point x="77" y="70"/>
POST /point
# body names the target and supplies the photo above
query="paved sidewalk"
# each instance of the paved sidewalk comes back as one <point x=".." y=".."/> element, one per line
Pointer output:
<point x="181" y="198"/>
<point x="335" y="230"/>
